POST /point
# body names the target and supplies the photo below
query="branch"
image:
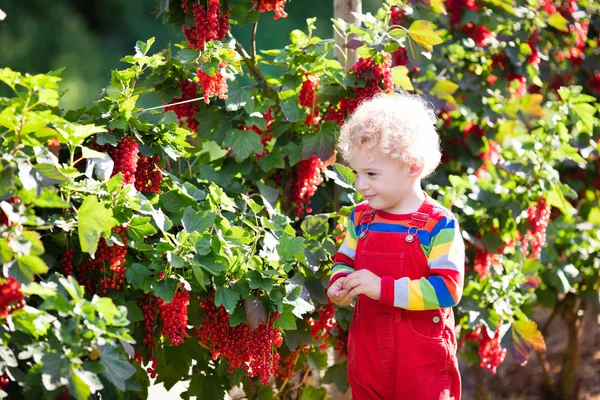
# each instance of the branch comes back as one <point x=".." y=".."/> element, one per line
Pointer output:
<point x="269" y="91"/>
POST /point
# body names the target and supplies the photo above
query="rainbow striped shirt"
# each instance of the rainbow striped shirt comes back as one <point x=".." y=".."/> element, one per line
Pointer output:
<point x="443" y="246"/>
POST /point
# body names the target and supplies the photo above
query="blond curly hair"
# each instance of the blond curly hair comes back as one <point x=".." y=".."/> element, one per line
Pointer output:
<point x="401" y="125"/>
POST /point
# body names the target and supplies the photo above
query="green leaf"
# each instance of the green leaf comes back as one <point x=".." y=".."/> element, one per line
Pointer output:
<point x="228" y="298"/>
<point x="55" y="367"/>
<point x="289" y="247"/>
<point x="237" y="317"/>
<point x="143" y="47"/>
<point x="127" y="106"/>
<point x="165" y="289"/>
<point x="525" y="337"/>
<point x="140" y="228"/>
<point x="238" y="97"/>
<point x="585" y="113"/>
<point x="289" y="105"/>
<point x="243" y="143"/>
<point x="29" y="266"/>
<point x="400" y="77"/>
<point x="197" y="221"/>
<point x="188" y="55"/>
<point x="136" y="275"/>
<point x="273" y="160"/>
<point x="313" y="393"/>
<point x="206" y="386"/>
<point x="559" y="22"/>
<point x="286" y="320"/>
<point x="116" y="367"/>
<point x="199" y="275"/>
<point x="257" y="281"/>
<point x="107" y="308"/>
<point x="423" y="34"/>
<point x="414" y="52"/>
<point x="37" y="247"/>
<point x="31" y="321"/>
<point x="74" y="289"/>
<point x="94" y="219"/>
<point x="338" y="374"/>
<point x="83" y="383"/>
<point x="320" y="143"/>
<point x="341" y="175"/>
<point x="214" y="265"/>
<point x="174" y="201"/>
<point x="443" y="88"/>
<point x="315" y="225"/>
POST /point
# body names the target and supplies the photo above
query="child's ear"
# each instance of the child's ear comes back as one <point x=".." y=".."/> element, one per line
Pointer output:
<point x="415" y="168"/>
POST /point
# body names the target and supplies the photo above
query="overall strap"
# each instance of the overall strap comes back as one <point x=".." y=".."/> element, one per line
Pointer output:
<point x="419" y="218"/>
<point x="366" y="217"/>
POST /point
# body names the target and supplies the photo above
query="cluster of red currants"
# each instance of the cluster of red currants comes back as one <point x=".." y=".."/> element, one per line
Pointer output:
<point x="253" y="350"/>
<point x="210" y="24"/>
<point x="11" y="297"/>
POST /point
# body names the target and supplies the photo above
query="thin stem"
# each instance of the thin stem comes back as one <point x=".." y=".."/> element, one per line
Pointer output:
<point x="170" y="105"/>
<point x="253" y="40"/>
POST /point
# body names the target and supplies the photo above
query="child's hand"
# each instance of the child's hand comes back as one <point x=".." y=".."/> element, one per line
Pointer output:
<point x="363" y="282"/>
<point x="337" y="293"/>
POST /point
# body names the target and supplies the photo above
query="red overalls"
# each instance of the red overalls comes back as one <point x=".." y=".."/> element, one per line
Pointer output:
<point x="394" y="353"/>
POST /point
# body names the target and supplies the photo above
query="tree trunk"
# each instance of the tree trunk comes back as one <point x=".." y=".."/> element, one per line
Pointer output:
<point x="573" y="315"/>
<point x="343" y="9"/>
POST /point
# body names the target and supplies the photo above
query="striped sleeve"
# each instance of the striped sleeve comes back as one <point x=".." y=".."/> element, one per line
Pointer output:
<point x="446" y="260"/>
<point x="343" y="260"/>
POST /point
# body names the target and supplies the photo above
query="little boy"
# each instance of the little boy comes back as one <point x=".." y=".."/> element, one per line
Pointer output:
<point x="403" y="256"/>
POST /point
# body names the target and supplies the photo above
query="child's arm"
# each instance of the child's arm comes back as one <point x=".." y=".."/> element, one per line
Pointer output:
<point x="443" y="287"/>
<point x="343" y="260"/>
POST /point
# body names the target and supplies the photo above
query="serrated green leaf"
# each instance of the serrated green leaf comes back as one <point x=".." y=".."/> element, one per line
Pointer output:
<point x="197" y="221"/>
<point x="94" y="219"/>
<point x="286" y="320"/>
<point x="290" y="107"/>
<point x="257" y="281"/>
<point x="320" y="143"/>
<point x="400" y="77"/>
<point x="338" y="374"/>
<point x="136" y="275"/>
<point x="116" y="367"/>
<point x="422" y="33"/>
<point x="289" y="247"/>
<point x="140" y="228"/>
<point x="243" y="143"/>
<point x="228" y="298"/>
<point x="165" y="289"/>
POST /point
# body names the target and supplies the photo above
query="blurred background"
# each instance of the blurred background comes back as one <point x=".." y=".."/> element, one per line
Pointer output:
<point x="90" y="37"/>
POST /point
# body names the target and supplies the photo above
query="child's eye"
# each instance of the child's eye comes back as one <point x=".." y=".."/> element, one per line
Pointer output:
<point x="371" y="174"/>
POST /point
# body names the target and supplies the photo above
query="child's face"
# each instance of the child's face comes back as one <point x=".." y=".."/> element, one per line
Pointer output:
<point x="383" y="181"/>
